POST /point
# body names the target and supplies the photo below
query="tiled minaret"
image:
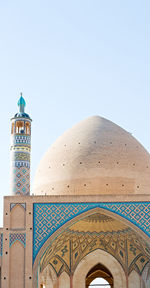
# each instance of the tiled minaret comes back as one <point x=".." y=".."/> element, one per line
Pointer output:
<point x="20" y="151"/>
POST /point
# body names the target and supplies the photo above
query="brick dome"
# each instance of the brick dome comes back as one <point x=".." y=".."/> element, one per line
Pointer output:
<point x="94" y="157"/>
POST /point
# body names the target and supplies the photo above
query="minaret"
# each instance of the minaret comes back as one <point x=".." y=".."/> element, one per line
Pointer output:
<point x="20" y="151"/>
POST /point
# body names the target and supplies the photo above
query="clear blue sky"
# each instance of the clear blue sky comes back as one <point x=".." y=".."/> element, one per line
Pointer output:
<point x="73" y="59"/>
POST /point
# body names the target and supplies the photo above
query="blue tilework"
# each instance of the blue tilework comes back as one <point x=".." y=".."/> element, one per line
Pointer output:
<point x="13" y="237"/>
<point x="48" y="217"/>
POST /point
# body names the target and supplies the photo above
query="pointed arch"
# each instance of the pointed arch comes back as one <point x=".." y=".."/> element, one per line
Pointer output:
<point x="105" y="259"/>
<point x="17" y="219"/>
<point x="134" y="279"/>
<point x="46" y="246"/>
<point x="99" y="271"/>
<point x="48" y="278"/>
<point x="146" y="276"/>
<point x="64" y="280"/>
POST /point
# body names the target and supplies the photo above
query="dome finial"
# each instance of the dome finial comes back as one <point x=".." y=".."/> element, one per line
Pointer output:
<point x="21" y="103"/>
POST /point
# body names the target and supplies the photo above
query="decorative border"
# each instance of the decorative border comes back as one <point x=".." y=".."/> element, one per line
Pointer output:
<point x="48" y="217"/>
<point x="12" y="205"/>
<point x="13" y="237"/>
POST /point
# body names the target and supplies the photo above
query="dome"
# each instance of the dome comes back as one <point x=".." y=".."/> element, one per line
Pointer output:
<point x="94" y="157"/>
<point x="21" y="115"/>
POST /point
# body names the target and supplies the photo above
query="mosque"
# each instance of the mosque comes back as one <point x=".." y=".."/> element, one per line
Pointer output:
<point x="88" y="215"/>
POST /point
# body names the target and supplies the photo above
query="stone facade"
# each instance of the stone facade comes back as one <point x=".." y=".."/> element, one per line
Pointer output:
<point x="70" y="238"/>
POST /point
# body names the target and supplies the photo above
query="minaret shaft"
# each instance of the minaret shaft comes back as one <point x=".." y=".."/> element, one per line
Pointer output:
<point x="20" y="152"/>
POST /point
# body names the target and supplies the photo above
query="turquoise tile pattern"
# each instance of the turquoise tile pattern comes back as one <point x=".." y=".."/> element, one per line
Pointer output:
<point x="13" y="237"/>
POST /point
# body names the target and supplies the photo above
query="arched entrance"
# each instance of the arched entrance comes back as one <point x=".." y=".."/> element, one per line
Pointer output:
<point x="98" y="238"/>
<point x="92" y="260"/>
<point x="99" y="272"/>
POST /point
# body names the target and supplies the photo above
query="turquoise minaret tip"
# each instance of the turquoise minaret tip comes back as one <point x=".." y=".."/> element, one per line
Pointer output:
<point x="21" y="104"/>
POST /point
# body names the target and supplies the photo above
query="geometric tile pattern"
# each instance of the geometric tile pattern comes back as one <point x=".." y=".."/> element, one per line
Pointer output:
<point x="19" y="139"/>
<point x="48" y="217"/>
<point x="13" y="237"/>
<point x="1" y="244"/>
<point x="68" y="249"/>
<point x="21" y="180"/>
